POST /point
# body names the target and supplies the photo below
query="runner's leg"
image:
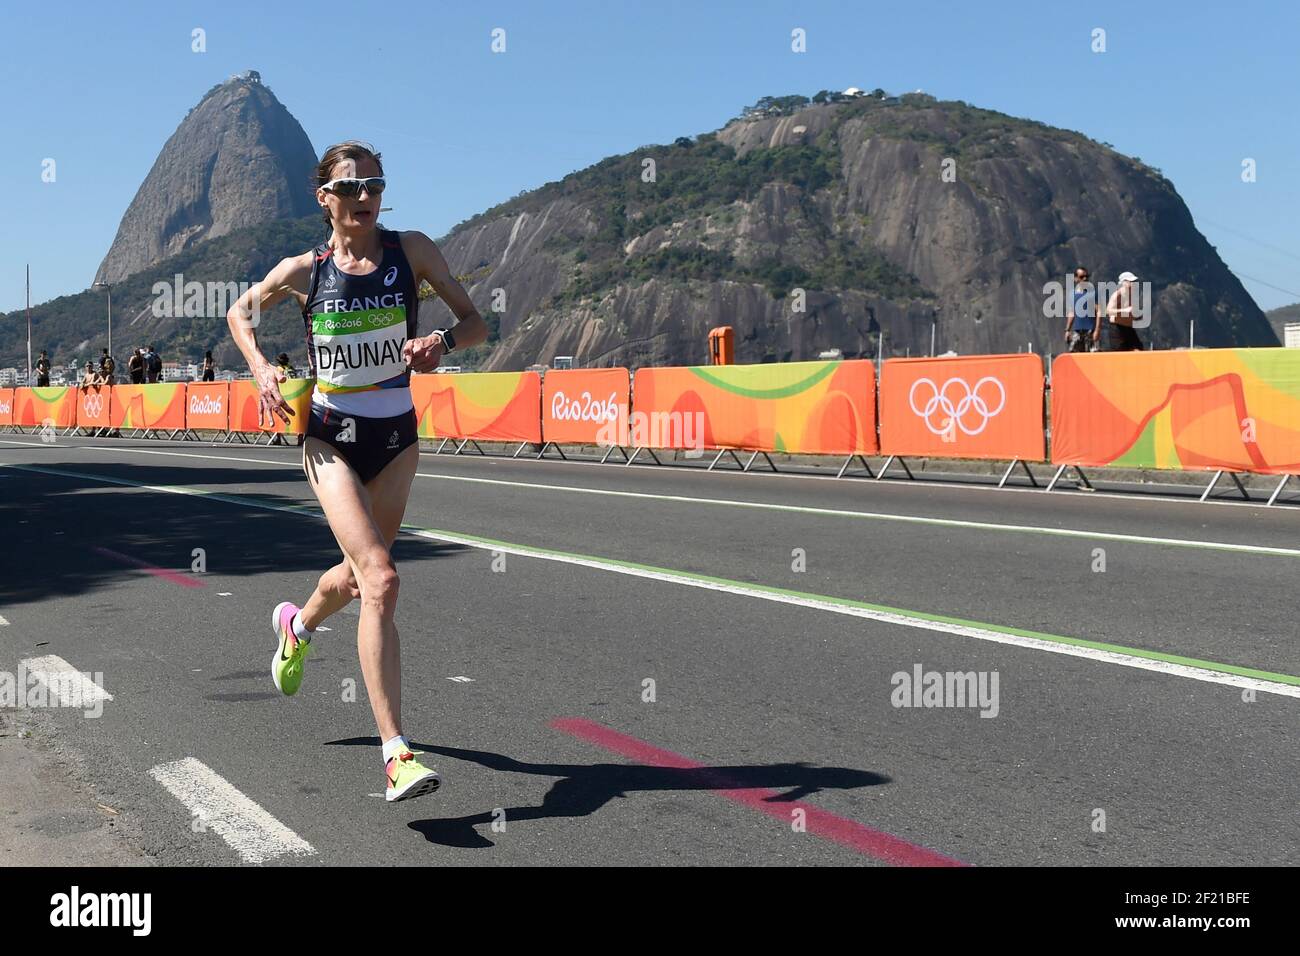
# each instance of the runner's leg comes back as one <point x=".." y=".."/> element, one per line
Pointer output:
<point x="348" y="508"/>
<point x="337" y="587"/>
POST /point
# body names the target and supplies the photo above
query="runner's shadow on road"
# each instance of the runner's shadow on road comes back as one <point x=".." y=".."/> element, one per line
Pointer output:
<point x="584" y="788"/>
<point x="52" y="526"/>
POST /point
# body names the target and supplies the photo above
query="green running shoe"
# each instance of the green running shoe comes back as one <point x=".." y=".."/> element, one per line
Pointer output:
<point x="286" y="665"/>
<point x="407" y="777"/>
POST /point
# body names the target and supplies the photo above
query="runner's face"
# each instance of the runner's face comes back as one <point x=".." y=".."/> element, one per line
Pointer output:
<point x="357" y="213"/>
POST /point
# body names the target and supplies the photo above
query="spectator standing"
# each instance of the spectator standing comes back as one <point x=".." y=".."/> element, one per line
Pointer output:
<point x="91" y="377"/>
<point x="209" y="371"/>
<point x="152" y="365"/>
<point x="135" y="366"/>
<point x="1082" y="323"/>
<point x="108" y="368"/>
<point x="42" y="370"/>
<point x="1123" y="337"/>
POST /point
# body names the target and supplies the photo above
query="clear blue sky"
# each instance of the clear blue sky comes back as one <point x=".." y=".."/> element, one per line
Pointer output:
<point x="1190" y="87"/>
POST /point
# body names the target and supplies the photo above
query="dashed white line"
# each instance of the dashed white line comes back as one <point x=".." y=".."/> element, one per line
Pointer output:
<point x="72" y="687"/>
<point x="249" y="830"/>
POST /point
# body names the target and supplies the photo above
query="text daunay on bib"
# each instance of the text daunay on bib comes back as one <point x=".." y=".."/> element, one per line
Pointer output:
<point x="362" y="346"/>
<point x="357" y="325"/>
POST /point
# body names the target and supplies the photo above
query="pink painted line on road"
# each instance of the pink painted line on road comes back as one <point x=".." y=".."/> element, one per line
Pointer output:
<point x="175" y="577"/>
<point x="873" y="843"/>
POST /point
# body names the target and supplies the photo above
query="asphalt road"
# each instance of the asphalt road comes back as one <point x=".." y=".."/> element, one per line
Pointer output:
<point x="1138" y="659"/>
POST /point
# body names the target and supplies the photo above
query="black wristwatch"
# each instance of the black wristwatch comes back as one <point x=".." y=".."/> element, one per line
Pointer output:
<point x="448" y="343"/>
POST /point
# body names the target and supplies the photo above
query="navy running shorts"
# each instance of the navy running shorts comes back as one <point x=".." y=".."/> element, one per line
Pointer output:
<point x="366" y="444"/>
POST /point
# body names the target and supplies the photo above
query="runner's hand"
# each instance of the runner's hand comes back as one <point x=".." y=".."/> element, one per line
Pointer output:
<point x="269" y="400"/>
<point x="423" y="355"/>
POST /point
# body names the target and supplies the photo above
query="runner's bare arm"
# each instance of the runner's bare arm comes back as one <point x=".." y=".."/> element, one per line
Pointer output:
<point x="429" y="265"/>
<point x="288" y="278"/>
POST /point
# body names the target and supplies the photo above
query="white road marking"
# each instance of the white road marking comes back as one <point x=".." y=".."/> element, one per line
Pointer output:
<point x="820" y="602"/>
<point x="885" y="516"/>
<point x="73" y="687"/>
<point x="826" y="603"/>
<point x="820" y="512"/>
<point x="249" y="830"/>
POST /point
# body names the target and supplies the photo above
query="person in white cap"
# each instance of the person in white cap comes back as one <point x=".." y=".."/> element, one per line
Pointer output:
<point x="1123" y="337"/>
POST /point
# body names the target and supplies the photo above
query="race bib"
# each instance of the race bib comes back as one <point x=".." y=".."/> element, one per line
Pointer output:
<point x="358" y="350"/>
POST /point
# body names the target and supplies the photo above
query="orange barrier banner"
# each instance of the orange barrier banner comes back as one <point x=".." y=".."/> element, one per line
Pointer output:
<point x="36" y="406"/>
<point x="820" y="408"/>
<point x="489" y="406"/>
<point x="207" y="406"/>
<point x="93" y="403"/>
<point x="245" y="408"/>
<point x="978" y="406"/>
<point x="6" y="406"/>
<point x="586" y="405"/>
<point x="161" y="406"/>
<point x="1230" y="409"/>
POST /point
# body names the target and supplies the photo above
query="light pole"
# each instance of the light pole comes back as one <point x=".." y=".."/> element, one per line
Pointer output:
<point x="109" y="287"/>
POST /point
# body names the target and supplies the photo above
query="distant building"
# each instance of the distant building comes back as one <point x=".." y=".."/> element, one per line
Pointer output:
<point x="562" y="361"/>
<point x="854" y="91"/>
<point x="8" y="377"/>
<point x="1291" y="335"/>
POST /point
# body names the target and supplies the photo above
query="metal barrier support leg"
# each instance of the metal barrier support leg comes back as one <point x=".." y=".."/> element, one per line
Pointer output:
<point x="1278" y="490"/>
<point x="889" y="461"/>
<point x="1217" y="475"/>
<point x="635" y="451"/>
<point x="611" y="450"/>
<point x="1011" y="467"/>
<point x="718" y="458"/>
<point x="1056" y="477"/>
<point x="1240" y="486"/>
<point x="848" y="461"/>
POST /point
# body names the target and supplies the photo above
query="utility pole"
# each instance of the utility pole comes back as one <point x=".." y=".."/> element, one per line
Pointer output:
<point x="29" y="324"/>
<point x="109" y="287"/>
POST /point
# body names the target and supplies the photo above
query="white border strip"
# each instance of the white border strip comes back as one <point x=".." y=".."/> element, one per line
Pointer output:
<point x="249" y="830"/>
<point x="74" y="688"/>
<point x="886" y="617"/>
<point x="738" y="588"/>
<point x="1084" y="534"/>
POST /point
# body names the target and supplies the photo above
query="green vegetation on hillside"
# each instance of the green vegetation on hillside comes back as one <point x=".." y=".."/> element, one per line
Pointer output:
<point x="61" y="324"/>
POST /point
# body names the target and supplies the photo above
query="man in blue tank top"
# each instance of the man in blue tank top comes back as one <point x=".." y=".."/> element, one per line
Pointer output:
<point x="1082" y="328"/>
